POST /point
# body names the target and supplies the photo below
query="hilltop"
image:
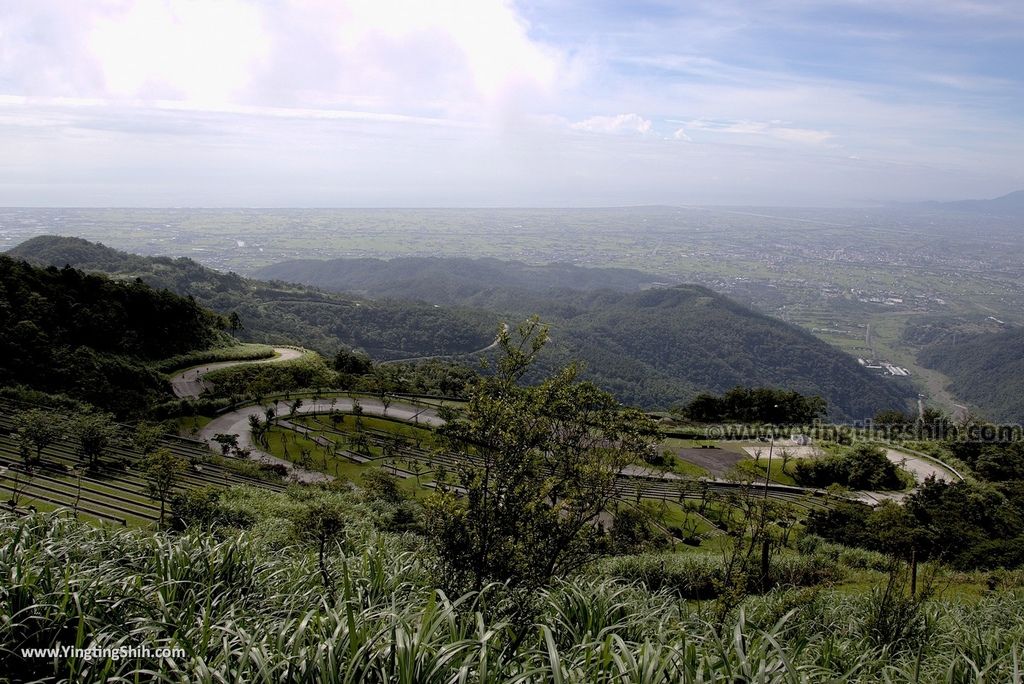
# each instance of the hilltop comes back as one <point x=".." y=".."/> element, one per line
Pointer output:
<point x="449" y="280"/>
<point x="277" y="313"/>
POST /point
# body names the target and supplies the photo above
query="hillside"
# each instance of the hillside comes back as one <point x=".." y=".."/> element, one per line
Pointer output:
<point x="91" y="337"/>
<point x="664" y="343"/>
<point x="448" y="280"/>
<point x="281" y="313"/>
<point x="987" y="370"/>
<point x="651" y="348"/>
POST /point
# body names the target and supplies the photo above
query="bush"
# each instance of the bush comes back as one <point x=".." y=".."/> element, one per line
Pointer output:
<point x="863" y="467"/>
<point x="237" y="352"/>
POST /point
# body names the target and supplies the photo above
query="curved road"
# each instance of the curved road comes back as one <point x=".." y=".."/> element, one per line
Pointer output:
<point x="237" y="423"/>
<point x="414" y="359"/>
<point x="189" y="383"/>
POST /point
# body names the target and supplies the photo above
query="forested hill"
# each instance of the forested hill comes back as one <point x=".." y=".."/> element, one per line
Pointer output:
<point x="85" y="335"/>
<point x="448" y="280"/>
<point x="987" y="370"/>
<point x="652" y="348"/>
<point x="675" y="342"/>
<point x="283" y="313"/>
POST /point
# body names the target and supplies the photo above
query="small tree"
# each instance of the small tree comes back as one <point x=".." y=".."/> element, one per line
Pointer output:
<point x="258" y="428"/>
<point x="544" y="464"/>
<point x="162" y="470"/>
<point x="322" y="523"/>
<point x="38" y="429"/>
<point x="357" y="411"/>
<point x="147" y="437"/>
<point x="227" y="442"/>
<point x="95" y="433"/>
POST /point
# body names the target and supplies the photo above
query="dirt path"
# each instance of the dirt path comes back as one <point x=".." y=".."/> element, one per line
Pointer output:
<point x="189" y="383"/>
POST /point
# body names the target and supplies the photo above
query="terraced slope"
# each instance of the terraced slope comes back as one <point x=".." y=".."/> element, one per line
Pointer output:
<point x="115" y="493"/>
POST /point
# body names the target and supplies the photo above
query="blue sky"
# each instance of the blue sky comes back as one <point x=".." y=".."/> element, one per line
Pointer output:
<point x="493" y="103"/>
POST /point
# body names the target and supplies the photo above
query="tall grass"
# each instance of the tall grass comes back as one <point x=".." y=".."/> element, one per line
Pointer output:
<point x="248" y="612"/>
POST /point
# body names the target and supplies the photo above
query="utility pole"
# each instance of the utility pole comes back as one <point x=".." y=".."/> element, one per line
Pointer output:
<point x="768" y="472"/>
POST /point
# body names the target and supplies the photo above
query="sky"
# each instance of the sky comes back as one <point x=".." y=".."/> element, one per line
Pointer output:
<point x="367" y="103"/>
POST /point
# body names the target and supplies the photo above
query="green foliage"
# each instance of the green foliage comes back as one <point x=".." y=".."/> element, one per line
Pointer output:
<point x="247" y="612"/>
<point x="94" y="434"/>
<point x="863" y="467"/>
<point x="283" y="313"/>
<point x="968" y="526"/>
<point x="755" y="405"/>
<point x="92" y="337"/>
<point x="233" y="352"/>
<point x="352" y="362"/>
<point x="36" y="430"/>
<point x="700" y="576"/>
<point x="545" y="465"/>
<point x="162" y="471"/>
<point x="306" y="372"/>
<point x="987" y="370"/>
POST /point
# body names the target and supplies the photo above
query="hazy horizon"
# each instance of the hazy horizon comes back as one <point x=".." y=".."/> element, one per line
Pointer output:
<point x="317" y="104"/>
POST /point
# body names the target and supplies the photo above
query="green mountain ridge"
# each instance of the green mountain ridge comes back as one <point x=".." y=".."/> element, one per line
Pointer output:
<point x="652" y="348"/>
<point x="449" y="280"/>
<point x="278" y="313"/>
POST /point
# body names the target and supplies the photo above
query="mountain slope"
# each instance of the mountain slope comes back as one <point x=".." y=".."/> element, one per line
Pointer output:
<point x="1010" y="204"/>
<point x="987" y="370"/>
<point x="678" y="341"/>
<point x="652" y="347"/>
<point x="64" y="331"/>
<point x="281" y="313"/>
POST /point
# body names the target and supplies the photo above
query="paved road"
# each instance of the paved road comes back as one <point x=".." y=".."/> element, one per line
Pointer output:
<point x="189" y="383"/>
<point x="920" y="468"/>
<point x="237" y="423"/>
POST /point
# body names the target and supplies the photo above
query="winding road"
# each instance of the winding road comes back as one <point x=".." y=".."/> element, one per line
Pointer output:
<point x="189" y="383"/>
<point x="237" y="423"/>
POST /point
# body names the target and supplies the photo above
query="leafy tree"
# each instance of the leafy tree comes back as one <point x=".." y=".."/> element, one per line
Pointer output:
<point x="322" y="522"/>
<point x="380" y="486"/>
<point x="95" y="433"/>
<point x="226" y="441"/>
<point x="352" y="362"/>
<point x="147" y="437"/>
<point x="862" y="467"/>
<point x="163" y="470"/>
<point x="543" y="464"/>
<point x="39" y="429"/>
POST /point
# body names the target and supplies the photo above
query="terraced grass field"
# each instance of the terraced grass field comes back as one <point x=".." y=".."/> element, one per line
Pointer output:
<point x="116" y="491"/>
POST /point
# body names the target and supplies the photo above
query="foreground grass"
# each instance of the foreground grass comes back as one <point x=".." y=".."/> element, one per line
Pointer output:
<point x="247" y="609"/>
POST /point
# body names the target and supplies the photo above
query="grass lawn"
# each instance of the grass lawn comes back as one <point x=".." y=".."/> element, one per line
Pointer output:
<point x="289" y="445"/>
<point x="777" y="474"/>
<point x="189" y="426"/>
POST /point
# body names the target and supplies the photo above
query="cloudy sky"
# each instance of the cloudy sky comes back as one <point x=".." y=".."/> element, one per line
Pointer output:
<point x="501" y="103"/>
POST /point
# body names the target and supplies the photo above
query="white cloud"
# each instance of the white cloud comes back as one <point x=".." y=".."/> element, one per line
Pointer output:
<point x="622" y="123"/>
<point x="680" y="134"/>
<point x="777" y="130"/>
